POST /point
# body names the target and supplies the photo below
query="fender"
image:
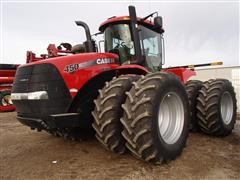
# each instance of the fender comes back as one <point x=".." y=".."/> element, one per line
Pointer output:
<point x="109" y="71"/>
<point x="183" y="73"/>
<point x="89" y="89"/>
<point x="132" y="69"/>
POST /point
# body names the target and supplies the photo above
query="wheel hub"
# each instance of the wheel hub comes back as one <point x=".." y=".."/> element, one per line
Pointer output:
<point x="171" y="117"/>
<point x="226" y="107"/>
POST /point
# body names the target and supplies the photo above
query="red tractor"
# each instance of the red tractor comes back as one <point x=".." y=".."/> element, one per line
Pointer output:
<point x="124" y="94"/>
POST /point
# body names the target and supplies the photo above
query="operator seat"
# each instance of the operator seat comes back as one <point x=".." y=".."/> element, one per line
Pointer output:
<point x="122" y="52"/>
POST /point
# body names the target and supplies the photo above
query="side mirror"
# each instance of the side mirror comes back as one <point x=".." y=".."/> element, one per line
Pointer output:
<point x="158" y="22"/>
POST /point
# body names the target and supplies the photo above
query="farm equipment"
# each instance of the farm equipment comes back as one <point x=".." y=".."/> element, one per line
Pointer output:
<point x="124" y="95"/>
<point x="7" y="73"/>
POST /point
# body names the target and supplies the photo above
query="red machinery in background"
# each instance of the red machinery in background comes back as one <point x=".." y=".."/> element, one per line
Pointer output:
<point x="62" y="50"/>
<point x="7" y="73"/>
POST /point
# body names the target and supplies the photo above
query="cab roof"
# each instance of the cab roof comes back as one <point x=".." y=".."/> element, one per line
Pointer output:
<point x="124" y="20"/>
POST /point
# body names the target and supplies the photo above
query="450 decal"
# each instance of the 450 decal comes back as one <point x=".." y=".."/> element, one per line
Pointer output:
<point x="71" y="68"/>
<point x="74" y="67"/>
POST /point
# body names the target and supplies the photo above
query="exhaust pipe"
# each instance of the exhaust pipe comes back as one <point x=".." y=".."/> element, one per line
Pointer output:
<point x="135" y="35"/>
<point x="89" y="44"/>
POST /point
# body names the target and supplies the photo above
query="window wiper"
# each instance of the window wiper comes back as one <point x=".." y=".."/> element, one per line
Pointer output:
<point x="150" y="15"/>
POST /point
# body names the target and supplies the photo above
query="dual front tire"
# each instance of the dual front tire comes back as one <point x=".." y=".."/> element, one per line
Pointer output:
<point x="108" y="111"/>
<point x="156" y="118"/>
<point x="149" y="116"/>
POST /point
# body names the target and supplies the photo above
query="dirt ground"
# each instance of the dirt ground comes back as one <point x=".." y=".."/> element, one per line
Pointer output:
<point x="27" y="154"/>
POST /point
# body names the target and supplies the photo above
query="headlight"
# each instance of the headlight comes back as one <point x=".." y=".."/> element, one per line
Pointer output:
<point x="37" y="95"/>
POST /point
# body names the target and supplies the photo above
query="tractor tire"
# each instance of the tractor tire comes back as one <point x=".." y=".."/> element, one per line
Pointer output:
<point x="216" y="107"/>
<point x="156" y="118"/>
<point x="192" y="88"/>
<point x="108" y="111"/>
<point x="5" y="98"/>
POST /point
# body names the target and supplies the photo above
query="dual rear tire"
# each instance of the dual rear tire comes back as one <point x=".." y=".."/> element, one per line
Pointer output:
<point x="213" y="106"/>
<point x="216" y="107"/>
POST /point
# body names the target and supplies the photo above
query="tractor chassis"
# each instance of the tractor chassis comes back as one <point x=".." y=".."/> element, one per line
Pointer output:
<point x="66" y="120"/>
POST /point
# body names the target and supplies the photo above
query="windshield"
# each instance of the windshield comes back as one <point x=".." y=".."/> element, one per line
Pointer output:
<point x="151" y="47"/>
<point x="118" y="40"/>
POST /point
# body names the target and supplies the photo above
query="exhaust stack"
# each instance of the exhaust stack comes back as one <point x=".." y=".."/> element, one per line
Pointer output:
<point x="89" y="44"/>
<point x="135" y="35"/>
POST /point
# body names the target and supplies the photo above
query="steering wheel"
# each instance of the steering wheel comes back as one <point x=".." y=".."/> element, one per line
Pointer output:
<point x="123" y="44"/>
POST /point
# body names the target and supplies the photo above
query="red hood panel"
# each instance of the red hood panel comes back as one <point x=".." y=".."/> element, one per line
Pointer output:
<point x="82" y="67"/>
<point x="76" y="58"/>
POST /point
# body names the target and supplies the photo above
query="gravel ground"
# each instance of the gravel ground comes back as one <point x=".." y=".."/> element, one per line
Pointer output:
<point x="26" y="154"/>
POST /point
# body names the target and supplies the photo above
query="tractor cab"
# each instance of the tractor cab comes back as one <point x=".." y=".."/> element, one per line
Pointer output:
<point x="135" y="40"/>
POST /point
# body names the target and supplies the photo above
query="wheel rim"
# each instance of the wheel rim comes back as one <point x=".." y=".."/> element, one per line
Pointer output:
<point x="6" y="100"/>
<point x="226" y="107"/>
<point x="171" y="118"/>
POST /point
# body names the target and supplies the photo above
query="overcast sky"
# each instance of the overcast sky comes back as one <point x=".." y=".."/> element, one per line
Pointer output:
<point x="196" y="32"/>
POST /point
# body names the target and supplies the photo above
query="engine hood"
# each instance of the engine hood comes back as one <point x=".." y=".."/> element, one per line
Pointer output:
<point x="77" y="69"/>
<point x="76" y="58"/>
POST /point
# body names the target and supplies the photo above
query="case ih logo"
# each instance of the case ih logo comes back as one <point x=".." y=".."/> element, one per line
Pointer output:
<point x="74" y="67"/>
<point x="105" y="61"/>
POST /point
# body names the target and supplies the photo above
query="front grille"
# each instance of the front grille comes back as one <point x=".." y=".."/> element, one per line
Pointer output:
<point x="41" y="77"/>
